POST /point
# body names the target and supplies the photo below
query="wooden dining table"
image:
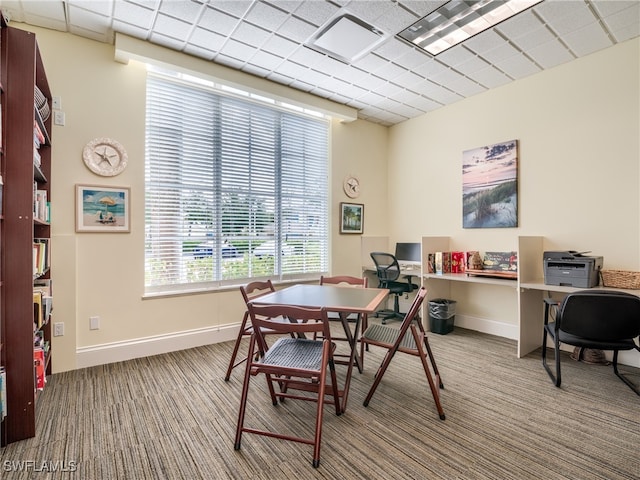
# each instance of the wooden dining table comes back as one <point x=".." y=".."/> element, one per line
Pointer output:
<point x="340" y="299"/>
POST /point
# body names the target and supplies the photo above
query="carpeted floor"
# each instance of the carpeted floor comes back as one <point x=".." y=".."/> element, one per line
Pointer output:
<point x="173" y="416"/>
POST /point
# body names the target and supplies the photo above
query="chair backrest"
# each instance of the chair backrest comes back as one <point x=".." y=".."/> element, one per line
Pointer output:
<point x="387" y="266"/>
<point x="344" y="280"/>
<point x="254" y="290"/>
<point x="302" y="319"/>
<point x="410" y="316"/>
<point x="600" y="315"/>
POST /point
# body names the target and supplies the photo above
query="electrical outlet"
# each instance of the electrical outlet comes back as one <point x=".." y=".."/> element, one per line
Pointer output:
<point x="57" y="103"/>
<point x="94" y="323"/>
<point x="58" y="329"/>
<point x="58" y="118"/>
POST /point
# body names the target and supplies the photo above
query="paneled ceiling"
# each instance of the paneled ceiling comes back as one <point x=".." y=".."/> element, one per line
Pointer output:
<point x="392" y="83"/>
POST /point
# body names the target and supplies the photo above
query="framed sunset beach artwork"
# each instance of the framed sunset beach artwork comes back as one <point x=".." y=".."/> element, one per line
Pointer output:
<point x="102" y="209"/>
<point x="490" y="186"/>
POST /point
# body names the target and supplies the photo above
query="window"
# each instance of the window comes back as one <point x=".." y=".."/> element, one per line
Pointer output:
<point x="235" y="189"/>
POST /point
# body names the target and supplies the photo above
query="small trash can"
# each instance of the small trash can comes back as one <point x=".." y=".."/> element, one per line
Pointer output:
<point x="442" y="313"/>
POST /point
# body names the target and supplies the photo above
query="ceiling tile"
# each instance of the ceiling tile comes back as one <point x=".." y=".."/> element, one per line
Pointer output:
<point x="207" y="40"/>
<point x="587" y="40"/>
<point x="167" y="42"/>
<point x="185" y="11"/>
<point x="465" y="87"/>
<point x="578" y="17"/>
<point x="237" y="8"/>
<point x="104" y="7"/>
<point x="88" y="20"/>
<point x="471" y="65"/>
<point x="296" y="29"/>
<point x="266" y="16"/>
<point x="280" y="46"/>
<point x="490" y="77"/>
<point x="520" y="24"/>
<point x="485" y="41"/>
<point x="265" y="60"/>
<point x="395" y="19"/>
<point x="217" y="21"/>
<point x="134" y="14"/>
<point x="250" y="34"/>
<point x="316" y="13"/>
<point x="172" y="28"/>
<point x="392" y="49"/>
<point x="624" y="24"/>
<point x="517" y="66"/>
<point x="240" y="51"/>
<point x="550" y="54"/>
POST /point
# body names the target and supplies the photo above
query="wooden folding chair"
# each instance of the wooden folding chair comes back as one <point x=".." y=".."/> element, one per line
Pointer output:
<point x="249" y="292"/>
<point x="397" y="340"/>
<point x="354" y="282"/>
<point x="299" y="367"/>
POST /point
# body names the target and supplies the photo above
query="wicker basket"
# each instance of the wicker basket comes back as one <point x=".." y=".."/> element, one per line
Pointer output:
<point x="621" y="279"/>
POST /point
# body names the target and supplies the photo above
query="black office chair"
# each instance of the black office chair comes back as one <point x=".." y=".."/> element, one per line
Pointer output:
<point x="596" y="319"/>
<point x="388" y="272"/>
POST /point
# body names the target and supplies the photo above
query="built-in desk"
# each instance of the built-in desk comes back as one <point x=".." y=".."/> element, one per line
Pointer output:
<point x="527" y="291"/>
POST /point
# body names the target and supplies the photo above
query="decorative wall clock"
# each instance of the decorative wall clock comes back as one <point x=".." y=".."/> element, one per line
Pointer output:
<point x="105" y="157"/>
<point x="351" y="186"/>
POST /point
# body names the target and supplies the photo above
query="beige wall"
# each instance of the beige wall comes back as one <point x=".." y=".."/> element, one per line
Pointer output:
<point x="578" y="127"/>
<point x="578" y="130"/>
<point x="103" y="274"/>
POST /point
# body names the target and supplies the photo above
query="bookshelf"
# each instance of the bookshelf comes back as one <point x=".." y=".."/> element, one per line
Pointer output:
<point x="25" y="325"/>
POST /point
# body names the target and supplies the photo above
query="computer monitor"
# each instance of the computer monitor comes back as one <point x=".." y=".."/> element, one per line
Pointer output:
<point x="408" y="253"/>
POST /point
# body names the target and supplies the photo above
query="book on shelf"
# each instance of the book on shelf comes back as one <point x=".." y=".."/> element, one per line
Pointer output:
<point x="40" y="205"/>
<point x="39" y="366"/>
<point x="37" y="159"/>
<point x="38" y="136"/>
<point x="3" y="393"/>
<point x="41" y="256"/>
<point x="43" y="285"/>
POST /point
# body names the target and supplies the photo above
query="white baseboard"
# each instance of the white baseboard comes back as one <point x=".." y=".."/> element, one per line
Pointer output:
<point x="147" y="346"/>
<point x="484" y="325"/>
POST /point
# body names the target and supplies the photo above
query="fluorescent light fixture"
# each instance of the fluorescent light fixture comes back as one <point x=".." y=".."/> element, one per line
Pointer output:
<point x="347" y="38"/>
<point x="458" y="20"/>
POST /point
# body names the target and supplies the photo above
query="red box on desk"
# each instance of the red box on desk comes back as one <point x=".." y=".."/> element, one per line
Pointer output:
<point x="457" y="262"/>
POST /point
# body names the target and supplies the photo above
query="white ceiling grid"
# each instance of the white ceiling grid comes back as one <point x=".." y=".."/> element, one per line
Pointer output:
<point x="394" y="82"/>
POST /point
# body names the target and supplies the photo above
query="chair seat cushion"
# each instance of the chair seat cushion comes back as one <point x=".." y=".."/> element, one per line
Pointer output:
<point x="299" y="353"/>
<point x="400" y="287"/>
<point x="569" y="339"/>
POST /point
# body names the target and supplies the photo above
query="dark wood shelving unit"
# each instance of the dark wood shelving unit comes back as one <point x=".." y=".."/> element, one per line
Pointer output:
<point x="21" y="70"/>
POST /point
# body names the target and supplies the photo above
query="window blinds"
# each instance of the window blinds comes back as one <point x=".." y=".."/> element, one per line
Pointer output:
<point x="235" y="190"/>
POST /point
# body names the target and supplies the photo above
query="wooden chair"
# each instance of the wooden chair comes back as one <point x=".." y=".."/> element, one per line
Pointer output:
<point x="355" y="282"/>
<point x="299" y="367"/>
<point x="249" y="292"/>
<point x="399" y="340"/>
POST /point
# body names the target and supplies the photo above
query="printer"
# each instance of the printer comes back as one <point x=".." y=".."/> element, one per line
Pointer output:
<point x="571" y="269"/>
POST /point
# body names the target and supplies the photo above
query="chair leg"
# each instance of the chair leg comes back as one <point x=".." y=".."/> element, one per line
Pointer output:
<point x="425" y="365"/>
<point x="243" y="398"/>
<point x="555" y="378"/>
<point x="379" y="374"/>
<point x="630" y="384"/>
<point x="241" y="334"/>
<point x="433" y="361"/>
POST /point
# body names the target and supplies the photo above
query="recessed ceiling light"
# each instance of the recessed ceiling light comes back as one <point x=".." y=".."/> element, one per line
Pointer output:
<point x="458" y="20"/>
